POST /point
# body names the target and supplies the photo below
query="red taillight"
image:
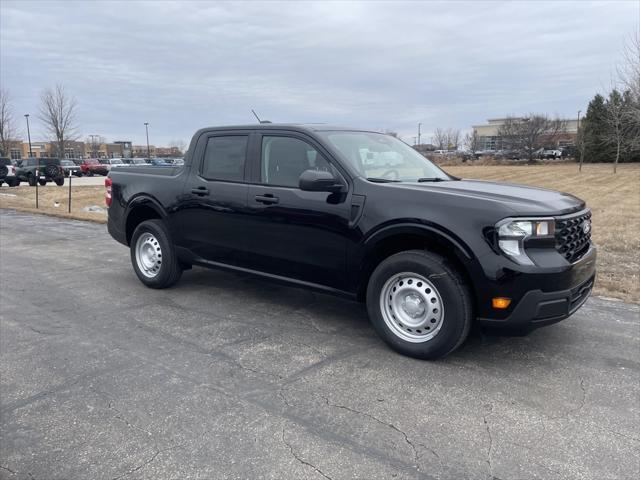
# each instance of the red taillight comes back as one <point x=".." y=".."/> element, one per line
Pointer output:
<point x="107" y="193"/>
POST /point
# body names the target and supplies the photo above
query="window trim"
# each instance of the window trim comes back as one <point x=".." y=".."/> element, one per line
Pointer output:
<point x="228" y="133"/>
<point x="256" y="172"/>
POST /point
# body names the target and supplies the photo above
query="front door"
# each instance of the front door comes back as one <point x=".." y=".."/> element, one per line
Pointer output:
<point x="290" y="232"/>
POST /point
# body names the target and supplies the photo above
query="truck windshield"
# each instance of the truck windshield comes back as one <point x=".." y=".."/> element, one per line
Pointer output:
<point x="382" y="157"/>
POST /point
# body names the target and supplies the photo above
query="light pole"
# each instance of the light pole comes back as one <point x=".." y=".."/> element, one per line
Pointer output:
<point x="26" y="115"/>
<point x="146" y="126"/>
<point x="419" y="125"/>
<point x="580" y="142"/>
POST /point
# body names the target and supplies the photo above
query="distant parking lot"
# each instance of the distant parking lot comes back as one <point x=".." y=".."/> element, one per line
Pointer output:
<point x="226" y="376"/>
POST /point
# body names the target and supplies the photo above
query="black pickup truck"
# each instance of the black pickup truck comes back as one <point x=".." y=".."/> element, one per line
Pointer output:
<point x="359" y="214"/>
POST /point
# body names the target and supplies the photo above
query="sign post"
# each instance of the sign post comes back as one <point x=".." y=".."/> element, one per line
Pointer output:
<point x="70" y="175"/>
<point x="37" y="182"/>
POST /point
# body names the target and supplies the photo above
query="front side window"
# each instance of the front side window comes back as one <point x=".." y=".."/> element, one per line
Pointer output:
<point x="383" y="157"/>
<point x="224" y="158"/>
<point x="285" y="158"/>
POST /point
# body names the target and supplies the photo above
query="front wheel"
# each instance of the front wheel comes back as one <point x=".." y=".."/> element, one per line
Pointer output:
<point x="153" y="255"/>
<point x="32" y="180"/>
<point x="59" y="181"/>
<point x="419" y="304"/>
<point x="42" y="182"/>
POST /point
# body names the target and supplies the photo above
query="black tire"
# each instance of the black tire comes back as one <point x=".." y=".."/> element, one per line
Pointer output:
<point x="90" y="173"/>
<point x="59" y="181"/>
<point x="14" y="182"/>
<point x="457" y="305"/>
<point x="1" y="182"/>
<point x="32" y="180"/>
<point x="170" y="270"/>
<point x="42" y="182"/>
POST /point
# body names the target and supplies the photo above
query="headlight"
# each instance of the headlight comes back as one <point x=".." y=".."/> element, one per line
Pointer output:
<point x="512" y="233"/>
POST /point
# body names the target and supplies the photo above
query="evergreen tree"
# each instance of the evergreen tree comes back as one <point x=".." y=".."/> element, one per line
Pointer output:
<point x="594" y="129"/>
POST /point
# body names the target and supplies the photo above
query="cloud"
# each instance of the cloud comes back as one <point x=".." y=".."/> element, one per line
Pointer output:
<point x="181" y="66"/>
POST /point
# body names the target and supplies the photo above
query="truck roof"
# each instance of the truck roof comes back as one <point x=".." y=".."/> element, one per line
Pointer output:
<point x="303" y="127"/>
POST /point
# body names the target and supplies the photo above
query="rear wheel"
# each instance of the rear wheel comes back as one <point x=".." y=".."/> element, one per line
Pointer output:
<point x="419" y="304"/>
<point x="59" y="181"/>
<point x="153" y="255"/>
<point x="42" y="182"/>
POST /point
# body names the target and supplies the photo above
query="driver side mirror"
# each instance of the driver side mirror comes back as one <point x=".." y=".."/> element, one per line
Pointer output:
<point x="318" y="181"/>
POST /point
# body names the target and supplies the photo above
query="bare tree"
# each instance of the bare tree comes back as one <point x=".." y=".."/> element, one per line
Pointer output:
<point x="7" y="123"/>
<point x="629" y="77"/>
<point x="453" y="139"/>
<point x="58" y="113"/>
<point x="440" y="139"/>
<point x="527" y="135"/>
<point x="472" y="141"/>
<point x="617" y="127"/>
<point x="181" y="145"/>
<point x="95" y="141"/>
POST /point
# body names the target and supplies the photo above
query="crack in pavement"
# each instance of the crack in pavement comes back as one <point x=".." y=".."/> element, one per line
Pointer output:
<point x="416" y="457"/>
<point x="302" y="461"/>
<point x="580" y="405"/>
<point x="147" y="462"/>
<point x="13" y="472"/>
<point x="490" y="449"/>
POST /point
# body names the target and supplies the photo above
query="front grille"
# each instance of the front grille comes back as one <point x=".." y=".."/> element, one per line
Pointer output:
<point x="571" y="239"/>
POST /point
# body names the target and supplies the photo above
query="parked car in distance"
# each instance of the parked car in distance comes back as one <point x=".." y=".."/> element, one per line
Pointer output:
<point x="550" y="153"/>
<point x="39" y="170"/>
<point x="314" y="206"/>
<point x="159" y="162"/>
<point x="8" y="172"/>
<point x="92" y="166"/>
<point x="112" y="162"/>
<point x="136" y="161"/>
<point x="70" y="168"/>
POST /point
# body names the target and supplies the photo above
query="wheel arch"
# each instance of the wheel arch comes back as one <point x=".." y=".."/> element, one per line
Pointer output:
<point x="397" y="238"/>
<point x="140" y="209"/>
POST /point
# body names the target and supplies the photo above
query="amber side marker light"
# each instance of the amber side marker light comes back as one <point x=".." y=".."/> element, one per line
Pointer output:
<point x="500" y="303"/>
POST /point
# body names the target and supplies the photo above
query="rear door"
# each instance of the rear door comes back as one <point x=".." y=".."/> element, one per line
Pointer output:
<point x="214" y="202"/>
<point x="290" y="232"/>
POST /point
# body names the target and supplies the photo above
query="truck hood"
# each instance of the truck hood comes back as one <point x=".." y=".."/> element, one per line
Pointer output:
<point x="522" y="199"/>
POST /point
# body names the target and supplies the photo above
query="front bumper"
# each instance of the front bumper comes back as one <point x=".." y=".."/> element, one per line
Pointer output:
<point x="548" y="298"/>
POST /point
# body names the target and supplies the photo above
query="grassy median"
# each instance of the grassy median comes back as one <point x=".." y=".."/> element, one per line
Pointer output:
<point x="614" y="200"/>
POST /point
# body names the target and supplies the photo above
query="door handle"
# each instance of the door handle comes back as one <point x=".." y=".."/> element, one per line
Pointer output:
<point x="202" y="191"/>
<point x="267" y="199"/>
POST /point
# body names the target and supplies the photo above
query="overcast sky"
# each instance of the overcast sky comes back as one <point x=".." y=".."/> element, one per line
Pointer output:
<point x="373" y="65"/>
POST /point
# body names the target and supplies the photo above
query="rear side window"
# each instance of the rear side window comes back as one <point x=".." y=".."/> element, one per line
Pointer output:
<point x="224" y="158"/>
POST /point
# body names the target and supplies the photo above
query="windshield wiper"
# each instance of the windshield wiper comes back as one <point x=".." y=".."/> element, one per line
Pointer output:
<point x="382" y="180"/>
<point x="431" y="179"/>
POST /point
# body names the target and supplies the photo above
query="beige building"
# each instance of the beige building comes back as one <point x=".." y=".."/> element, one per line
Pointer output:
<point x="489" y="138"/>
<point x="140" y="151"/>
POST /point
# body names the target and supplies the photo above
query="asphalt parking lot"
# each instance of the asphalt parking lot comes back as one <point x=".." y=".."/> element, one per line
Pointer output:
<point x="227" y="376"/>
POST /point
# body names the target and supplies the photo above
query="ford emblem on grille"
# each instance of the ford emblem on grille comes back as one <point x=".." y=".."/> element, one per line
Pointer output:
<point x="586" y="227"/>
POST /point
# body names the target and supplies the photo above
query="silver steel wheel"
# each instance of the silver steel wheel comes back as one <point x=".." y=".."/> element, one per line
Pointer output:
<point x="411" y="307"/>
<point x="148" y="255"/>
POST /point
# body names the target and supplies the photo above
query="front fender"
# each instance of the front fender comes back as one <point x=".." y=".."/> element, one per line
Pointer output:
<point x="412" y="228"/>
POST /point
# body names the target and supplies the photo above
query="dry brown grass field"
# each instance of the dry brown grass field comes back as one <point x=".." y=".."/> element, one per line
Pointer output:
<point x="613" y="199"/>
